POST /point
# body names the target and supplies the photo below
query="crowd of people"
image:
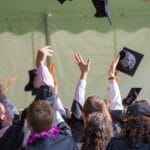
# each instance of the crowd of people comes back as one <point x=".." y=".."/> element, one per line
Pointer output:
<point x="90" y="124"/>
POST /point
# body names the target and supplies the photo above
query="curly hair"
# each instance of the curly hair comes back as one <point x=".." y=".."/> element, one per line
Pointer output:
<point x="137" y="129"/>
<point x="98" y="132"/>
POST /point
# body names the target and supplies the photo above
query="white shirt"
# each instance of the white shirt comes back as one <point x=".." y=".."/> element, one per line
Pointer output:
<point x="80" y="92"/>
<point x="115" y="96"/>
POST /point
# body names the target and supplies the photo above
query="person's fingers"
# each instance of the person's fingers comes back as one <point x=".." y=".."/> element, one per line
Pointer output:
<point x="117" y="60"/>
<point x="88" y="63"/>
<point x="80" y="58"/>
<point x="49" y="52"/>
<point x="110" y="70"/>
<point x="76" y="59"/>
<point x="47" y="47"/>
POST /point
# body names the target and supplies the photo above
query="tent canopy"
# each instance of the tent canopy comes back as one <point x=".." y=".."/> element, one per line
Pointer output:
<point x="27" y="25"/>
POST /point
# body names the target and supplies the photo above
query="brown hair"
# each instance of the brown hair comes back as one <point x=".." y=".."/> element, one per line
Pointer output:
<point x="95" y="104"/>
<point x="136" y="129"/>
<point x="98" y="132"/>
<point x="40" y="115"/>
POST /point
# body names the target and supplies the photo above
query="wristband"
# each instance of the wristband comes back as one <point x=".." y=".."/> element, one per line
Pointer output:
<point x="111" y="78"/>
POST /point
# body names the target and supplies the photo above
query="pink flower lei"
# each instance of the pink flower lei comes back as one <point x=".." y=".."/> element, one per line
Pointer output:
<point x="54" y="132"/>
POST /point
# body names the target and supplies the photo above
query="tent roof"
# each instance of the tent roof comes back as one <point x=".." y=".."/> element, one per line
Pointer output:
<point x="73" y="7"/>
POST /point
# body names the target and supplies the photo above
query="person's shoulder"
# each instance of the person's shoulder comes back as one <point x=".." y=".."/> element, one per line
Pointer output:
<point x="64" y="142"/>
<point x="66" y="138"/>
<point x="7" y="102"/>
<point x="117" y="144"/>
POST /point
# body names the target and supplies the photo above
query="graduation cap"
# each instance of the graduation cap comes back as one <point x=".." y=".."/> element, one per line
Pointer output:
<point x="61" y="1"/>
<point x="139" y="108"/>
<point x="102" y="9"/>
<point x="129" y="61"/>
<point x="29" y="86"/>
<point x="132" y="96"/>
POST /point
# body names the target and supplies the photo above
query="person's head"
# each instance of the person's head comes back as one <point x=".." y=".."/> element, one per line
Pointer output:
<point x="98" y="132"/>
<point x="95" y="104"/>
<point x="139" y="108"/>
<point x="2" y="115"/>
<point x="136" y="129"/>
<point x="39" y="116"/>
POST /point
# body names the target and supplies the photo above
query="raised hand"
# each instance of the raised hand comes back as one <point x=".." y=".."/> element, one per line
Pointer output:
<point x="42" y="55"/>
<point x="83" y="66"/>
<point x="46" y="50"/>
<point x="112" y="69"/>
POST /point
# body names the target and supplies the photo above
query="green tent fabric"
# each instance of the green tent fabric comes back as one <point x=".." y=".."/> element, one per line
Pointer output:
<point x="25" y="26"/>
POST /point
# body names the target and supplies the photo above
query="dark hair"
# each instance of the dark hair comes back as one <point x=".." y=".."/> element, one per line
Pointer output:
<point x="96" y="104"/>
<point x="98" y="132"/>
<point x="40" y="115"/>
<point x="137" y="129"/>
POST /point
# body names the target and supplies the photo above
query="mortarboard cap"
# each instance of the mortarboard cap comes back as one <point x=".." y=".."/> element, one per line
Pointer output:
<point x="61" y="1"/>
<point x="102" y="9"/>
<point x="139" y="108"/>
<point x="129" y="61"/>
<point x="132" y="96"/>
<point x="29" y="86"/>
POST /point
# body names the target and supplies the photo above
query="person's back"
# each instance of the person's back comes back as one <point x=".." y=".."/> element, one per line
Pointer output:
<point x="135" y="129"/>
<point x="12" y="139"/>
<point x="62" y="142"/>
<point x="10" y="133"/>
<point x="123" y="144"/>
<point x="44" y="136"/>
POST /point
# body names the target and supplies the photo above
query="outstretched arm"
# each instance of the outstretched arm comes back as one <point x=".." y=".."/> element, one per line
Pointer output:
<point x="43" y="76"/>
<point x="84" y="68"/>
<point x="114" y="92"/>
<point x="77" y="125"/>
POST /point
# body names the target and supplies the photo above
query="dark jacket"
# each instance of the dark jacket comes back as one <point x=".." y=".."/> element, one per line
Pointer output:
<point x="76" y="122"/>
<point x="77" y="125"/>
<point x="63" y="142"/>
<point x="123" y="144"/>
<point x="12" y="138"/>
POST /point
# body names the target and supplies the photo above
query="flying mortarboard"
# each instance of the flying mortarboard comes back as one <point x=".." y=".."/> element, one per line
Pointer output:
<point x="132" y="96"/>
<point x="129" y="61"/>
<point x="61" y="1"/>
<point x="102" y="9"/>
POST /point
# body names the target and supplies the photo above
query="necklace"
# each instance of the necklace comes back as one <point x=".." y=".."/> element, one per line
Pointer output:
<point x="53" y="132"/>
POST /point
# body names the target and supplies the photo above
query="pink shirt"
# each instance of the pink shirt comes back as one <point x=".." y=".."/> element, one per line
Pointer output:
<point x="43" y="77"/>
